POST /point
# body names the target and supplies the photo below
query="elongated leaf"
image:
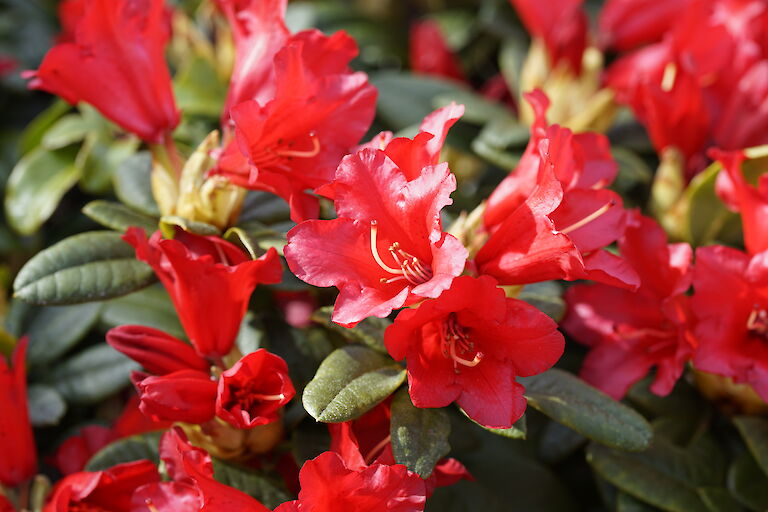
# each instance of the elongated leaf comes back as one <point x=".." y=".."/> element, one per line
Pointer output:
<point x="568" y="400"/>
<point x="747" y="483"/>
<point x="33" y="133"/>
<point x="99" y="158"/>
<point x="754" y="431"/>
<point x="92" y="375"/>
<point x="718" y="499"/>
<point x="129" y="449"/>
<point x="53" y="330"/>
<point x="349" y="382"/>
<point x="517" y="431"/>
<point x="705" y="214"/>
<point x="643" y="481"/>
<point x="66" y="130"/>
<point x="626" y="503"/>
<point x="35" y="187"/>
<point x="419" y="436"/>
<point x="547" y="297"/>
<point x="89" y="266"/>
<point x="46" y="405"/>
<point x="133" y="184"/>
<point x="251" y="483"/>
<point x="369" y="332"/>
<point x="168" y="224"/>
<point x="118" y="216"/>
<point x="151" y="307"/>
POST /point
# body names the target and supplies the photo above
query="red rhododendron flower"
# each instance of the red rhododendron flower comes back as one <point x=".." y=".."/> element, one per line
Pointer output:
<point x="102" y="490"/>
<point x="469" y="345"/>
<point x="551" y="218"/>
<point x="627" y="24"/>
<point x="157" y="352"/>
<point x="630" y="332"/>
<point x="210" y="282"/>
<point x="294" y="141"/>
<point x="387" y="248"/>
<point x="115" y="61"/>
<point x="730" y="302"/>
<point x="253" y="391"/>
<point x="19" y="455"/>
<point x="192" y="487"/>
<point x="328" y="485"/>
<point x="750" y="201"/>
<point x="429" y="52"/>
<point x="184" y="395"/>
<point x="366" y="441"/>
<point x="6" y="505"/>
<point x="560" y="24"/>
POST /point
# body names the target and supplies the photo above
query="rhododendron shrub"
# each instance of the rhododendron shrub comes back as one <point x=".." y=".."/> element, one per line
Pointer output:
<point x="338" y="256"/>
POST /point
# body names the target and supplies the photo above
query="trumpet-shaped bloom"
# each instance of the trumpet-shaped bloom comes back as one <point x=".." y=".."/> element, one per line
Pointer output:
<point x="157" y="352"/>
<point x="112" y="57"/>
<point x="210" y="282"/>
<point x="469" y="345"/>
<point x="19" y="461"/>
<point x="184" y="395"/>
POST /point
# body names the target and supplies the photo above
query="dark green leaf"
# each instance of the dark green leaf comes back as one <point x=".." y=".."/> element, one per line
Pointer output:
<point x="86" y="267"/>
<point x="558" y="442"/>
<point x="92" y="375"/>
<point x="568" y="400"/>
<point x="46" y="406"/>
<point x="350" y="382"/>
<point x="129" y="449"/>
<point x="718" y="499"/>
<point x="754" y="431"/>
<point x="251" y="483"/>
<point x="35" y="187"/>
<point x="517" y="431"/>
<point x="477" y="109"/>
<point x="119" y="217"/>
<point x="133" y="184"/>
<point x="151" y="307"/>
<point x="53" y="330"/>
<point x="547" y="296"/>
<point x="748" y="484"/>
<point x="369" y="332"/>
<point x="626" y="503"/>
<point x="419" y="436"/>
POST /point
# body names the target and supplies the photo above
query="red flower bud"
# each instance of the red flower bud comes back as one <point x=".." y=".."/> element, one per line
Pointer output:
<point x="186" y="395"/>
<point x="159" y="353"/>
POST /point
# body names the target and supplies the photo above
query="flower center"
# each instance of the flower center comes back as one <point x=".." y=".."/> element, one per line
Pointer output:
<point x="457" y="345"/>
<point x="757" y="323"/>
<point x="247" y="397"/>
<point x="412" y="269"/>
<point x="278" y="155"/>
<point x="589" y="218"/>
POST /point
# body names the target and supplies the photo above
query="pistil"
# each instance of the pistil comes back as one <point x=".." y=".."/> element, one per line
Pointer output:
<point x="589" y="218"/>
<point x="455" y="342"/>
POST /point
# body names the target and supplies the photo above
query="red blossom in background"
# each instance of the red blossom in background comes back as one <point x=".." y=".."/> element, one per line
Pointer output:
<point x="628" y="24"/>
<point x="253" y="391"/>
<point x="429" y="52"/>
<point x="112" y="56"/>
<point x="630" y="332"/>
<point x="730" y="302"/>
<point x="328" y="485"/>
<point x="469" y="345"/>
<point x="386" y="249"/>
<point x="210" y="282"/>
<point x="18" y="462"/>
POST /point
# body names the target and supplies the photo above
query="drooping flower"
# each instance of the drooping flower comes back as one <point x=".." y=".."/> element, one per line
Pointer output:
<point x="111" y="489"/>
<point x="253" y="391"/>
<point x="469" y="345"/>
<point x="366" y="441"/>
<point x="327" y="485"/>
<point x="750" y="201"/>
<point x="209" y="281"/>
<point x="730" y="302"/>
<point x="386" y="249"/>
<point x="183" y="395"/>
<point x="631" y="332"/>
<point x="292" y="142"/>
<point x="19" y="461"/>
<point x="158" y="353"/>
<point x="113" y="58"/>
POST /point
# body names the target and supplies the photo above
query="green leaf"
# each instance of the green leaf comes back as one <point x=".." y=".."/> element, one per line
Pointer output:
<point x="129" y="449"/>
<point x="643" y="481"/>
<point x="557" y="442"/>
<point x="705" y="214"/>
<point x="419" y="436"/>
<point x="169" y="223"/>
<point x="747" y="483"/>
<point x="133" y="184"/>
<point x="517" y="431"/>
<point x="92" y="375"/>
<point x="405" y="99"/>
<point x="251" y="483"/>
<point x="36" y="185"/>
<point x="718" y="499"/>
<point x="89" y="266"/>
<point x="568" y="400"/>
<point x="66" y="130"/>
<point x="198" y="89"/>
<point x="100" y="157"/>
<point x="33" y="133"/>
<point x="53" y="330"/>
<point x="626" y="503"/>
<point x="477" y="109"/>
<point x="119" y="217"/>
<point x="151" y="307"/>
<point x="369" y="332"/>
<point x="546" y="296"/>
<point x="501" y="141"/>
<point x="46" y="406"/>
<point x="754" y="431"/>
<point x="350" y="382"/>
